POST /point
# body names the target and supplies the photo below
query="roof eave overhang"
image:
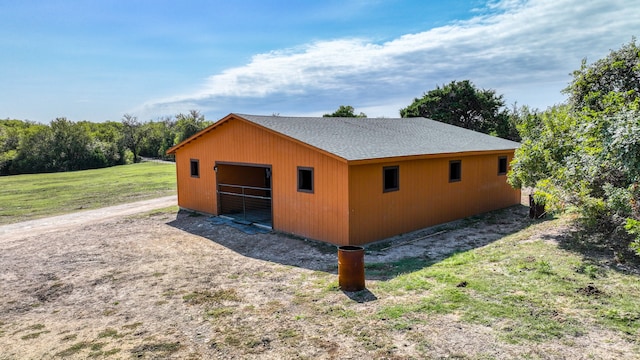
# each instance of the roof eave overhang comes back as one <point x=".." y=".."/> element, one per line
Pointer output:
<point x="428" y="156"/>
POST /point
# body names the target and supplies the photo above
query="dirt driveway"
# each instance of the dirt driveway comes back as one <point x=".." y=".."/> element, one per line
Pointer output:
<point x="68" y="221"/>
<point x="167" y="285"/>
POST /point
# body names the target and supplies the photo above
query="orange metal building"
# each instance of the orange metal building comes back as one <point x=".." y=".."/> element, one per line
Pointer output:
<point x="346" y="181"/>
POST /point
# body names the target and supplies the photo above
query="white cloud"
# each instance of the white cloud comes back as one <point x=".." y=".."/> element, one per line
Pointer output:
<point x="523" y="49"/>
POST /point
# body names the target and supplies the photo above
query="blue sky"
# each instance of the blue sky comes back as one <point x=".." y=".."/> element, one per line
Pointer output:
<point x="97" y="60"/>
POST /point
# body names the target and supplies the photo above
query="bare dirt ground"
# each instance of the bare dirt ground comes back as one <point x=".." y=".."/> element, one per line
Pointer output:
<point x="167" y="285"/>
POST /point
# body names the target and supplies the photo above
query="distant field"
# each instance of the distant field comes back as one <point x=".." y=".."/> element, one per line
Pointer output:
<point x="27" y="197"/>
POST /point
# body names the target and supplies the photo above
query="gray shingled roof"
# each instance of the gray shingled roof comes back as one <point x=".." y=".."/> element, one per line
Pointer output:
<point x="361" y="139"/>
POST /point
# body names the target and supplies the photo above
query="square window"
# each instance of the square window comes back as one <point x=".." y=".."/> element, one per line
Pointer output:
<point x="305" y="179"/>
<point x="195" y="168"/>
<point x="502" y="165"/>
<point x="455" y="170"/>
<point x="390" y="178"/>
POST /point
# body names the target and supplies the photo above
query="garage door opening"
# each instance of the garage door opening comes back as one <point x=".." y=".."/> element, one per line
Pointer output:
<point x="244" y="193"/>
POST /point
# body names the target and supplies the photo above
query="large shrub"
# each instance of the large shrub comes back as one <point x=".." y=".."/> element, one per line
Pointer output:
<point x="586" y="154"/>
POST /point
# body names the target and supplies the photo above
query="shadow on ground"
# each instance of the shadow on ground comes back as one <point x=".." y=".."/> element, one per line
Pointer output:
<point x="274" y="247"/>
<point x="598" y="249"/>
<point x="362" y="296"/>
<point x="384" y="259"/>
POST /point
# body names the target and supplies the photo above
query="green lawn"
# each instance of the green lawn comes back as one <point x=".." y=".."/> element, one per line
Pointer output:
<point x="526" y="290"/>
<point x="26" y="197"/>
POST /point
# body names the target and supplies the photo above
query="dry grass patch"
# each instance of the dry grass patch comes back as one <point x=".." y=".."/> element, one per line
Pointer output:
<point x="156" y="349"/>
<point x="209" y="297"/>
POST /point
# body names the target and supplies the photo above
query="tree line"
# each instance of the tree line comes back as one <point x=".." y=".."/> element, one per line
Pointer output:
<point x="27" y="147"/>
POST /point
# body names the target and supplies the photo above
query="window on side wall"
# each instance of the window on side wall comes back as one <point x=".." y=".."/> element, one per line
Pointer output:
<point x="455" y="170"/>
<point x="502" y="165"/>
<point x="305" y="179"/>
<point x="195" y="168"/>
<point x="390" y="178"/>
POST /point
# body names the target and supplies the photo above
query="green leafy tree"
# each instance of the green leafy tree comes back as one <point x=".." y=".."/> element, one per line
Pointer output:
<point x="10" y="133"/>
<point x="518" y="115"/>
<point x="586" y="154"/>
<point x="461" y="103"/>
<point x="7" y="151"/>
<point x="71" y="147"/>
<point x="168" y="138"/>
<point x="189" y="124"/>
<point x="598" y="87"/>
<point x="110" y="135"/>
<point x="159" y="138"/>
<point x="133" y="135"/>
<point x="547" y="140"/>
<point x="346" y="111"/>
<point x="107" y="141"/>
<point x="34" y="154"/>
<point x="61" y="146"/>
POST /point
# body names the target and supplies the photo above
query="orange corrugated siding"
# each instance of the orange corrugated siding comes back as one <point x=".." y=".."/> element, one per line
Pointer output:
<point x="426" y="197"/>
<point x="322" y="215"/>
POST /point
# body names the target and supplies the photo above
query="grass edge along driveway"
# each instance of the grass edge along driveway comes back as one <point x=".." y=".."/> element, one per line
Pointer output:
<point x="33" y="196"/>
